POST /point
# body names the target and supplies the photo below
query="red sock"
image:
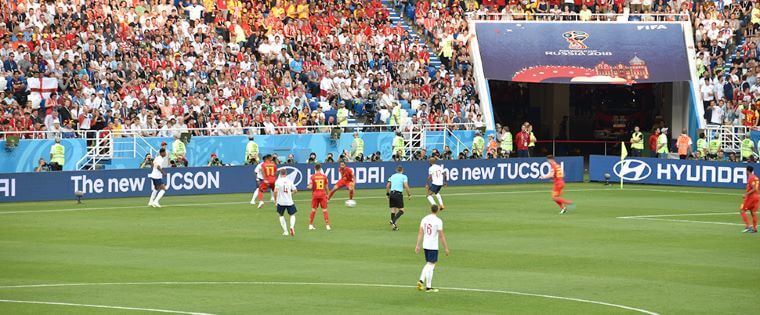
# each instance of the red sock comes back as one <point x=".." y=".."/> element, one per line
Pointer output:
<point x="745" y="218"/>
<point x="311" y="216"/>
<point x="754" y="220"/>
<point x="331" y="194"/>
<point x="261" y="196"/>
<point x="327" y="217"/>
<point x="559" y="203"/>
<point x="351" y="194"/>
<point x="564" y="201"/>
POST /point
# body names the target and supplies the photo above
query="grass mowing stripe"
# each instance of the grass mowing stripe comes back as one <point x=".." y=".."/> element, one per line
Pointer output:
<point x="297" y="200"/>
<point x="376" y="285"/>
<point x="113" y="307"/>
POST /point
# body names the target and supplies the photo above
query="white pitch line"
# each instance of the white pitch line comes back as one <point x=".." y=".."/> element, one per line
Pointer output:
<point x="686" y="221"/>
<point x="299" y="200"/>
<point x="677" y="215"/>
<point x="555" y="297"/>
<point x="113" y="307"/>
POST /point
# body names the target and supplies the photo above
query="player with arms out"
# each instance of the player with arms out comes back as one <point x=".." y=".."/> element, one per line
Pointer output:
<point x="283" y="198"/>
<point x="437" y="178"/>
<point x="346" y="180"/>
<point x="319" y="189"/>
<point x="750" y="201"/>
<point x="157" y="177"/>
<point x="558" y="175"/>
<point x="431" y="231"/>
<point x="266" y="175"/>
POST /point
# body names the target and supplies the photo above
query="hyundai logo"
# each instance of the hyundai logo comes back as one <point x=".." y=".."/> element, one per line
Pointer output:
<point x="294" y="175"/>
<point x="633" y="170"/>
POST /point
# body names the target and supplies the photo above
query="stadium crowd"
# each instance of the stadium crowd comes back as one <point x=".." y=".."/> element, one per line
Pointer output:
<point x="220" y="65"/>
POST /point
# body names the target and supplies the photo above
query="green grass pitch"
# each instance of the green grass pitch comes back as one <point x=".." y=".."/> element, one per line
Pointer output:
<point x="679" y="251"/>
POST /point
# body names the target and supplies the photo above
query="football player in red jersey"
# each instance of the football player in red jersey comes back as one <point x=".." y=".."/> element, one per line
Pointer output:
<point x="750" y="201"/>
<point x="266" y="175"/>
<point x="559" y="183"/>
<point x="346" y="180"/>
<point x="319" y="189"/>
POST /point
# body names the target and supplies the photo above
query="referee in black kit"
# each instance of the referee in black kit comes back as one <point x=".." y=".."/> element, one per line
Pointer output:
<point x="394" y="189"/>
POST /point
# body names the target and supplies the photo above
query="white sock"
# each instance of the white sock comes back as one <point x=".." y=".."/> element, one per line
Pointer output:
<point x="292" y="221"/>
<point x="153" y="195"/>
<point x="160" y="194"/>
<point x="430" y="276"/>
<point x="423" y="274"/>
<point x="255" y="194"/>
<point x="440" y="199"/>
<point x="283" y="224"/>
<point x="430" y="199"/>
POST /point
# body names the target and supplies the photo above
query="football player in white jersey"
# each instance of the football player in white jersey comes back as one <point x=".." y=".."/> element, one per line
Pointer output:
<point x="283" y="198"/>
<point x="431" y="231"/>
<point x="437" y="179"/>
<point x="157" y="177"/>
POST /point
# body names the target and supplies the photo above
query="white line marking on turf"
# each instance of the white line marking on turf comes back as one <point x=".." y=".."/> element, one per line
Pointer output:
<point x="113" y="307"/>
<point x="685" y="221"/>
<point x="298" y="200"/>
<point x="677" y="215"/>
<point x="659" y="217"/>
<point x="643" y="311"/>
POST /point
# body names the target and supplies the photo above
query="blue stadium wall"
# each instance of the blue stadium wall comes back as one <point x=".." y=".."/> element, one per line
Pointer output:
<point x="230" y="149"/>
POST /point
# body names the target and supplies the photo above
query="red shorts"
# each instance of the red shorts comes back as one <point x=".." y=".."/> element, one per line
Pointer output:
<point x="750" y="204"/>
<point x="558" y="186"/>
<point x="264" y="186"/>
<point x="342" y="183"/>
<point x="319" y="201"/>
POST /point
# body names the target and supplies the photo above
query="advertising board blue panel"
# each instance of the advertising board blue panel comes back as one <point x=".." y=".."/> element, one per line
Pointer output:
<point x="576" y="52"/>
<point x="240" y="179"/>
<point x="668" y="172"/>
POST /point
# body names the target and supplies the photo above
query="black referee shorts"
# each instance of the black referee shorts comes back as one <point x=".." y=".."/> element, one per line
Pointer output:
<point x="396" y="200"/>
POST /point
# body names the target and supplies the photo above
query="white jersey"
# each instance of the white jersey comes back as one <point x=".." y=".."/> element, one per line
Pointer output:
<point x="158" y="162"/>
<point x="436" y="174"/>
<point x="259" y="175"/>
<point x="431" y="225"/>
<point x="285" y="190"/>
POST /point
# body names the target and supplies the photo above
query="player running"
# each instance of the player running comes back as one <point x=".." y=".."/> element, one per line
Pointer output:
<point x="266" y="175"/>
<point x="750" y="201"/>
<point x="157" y="176"/>
<point x="318" y="186"/>
<point x="558" y="175"/>
<point x="346" y="180"/>
<point x="283" y="198"/>
<point x="436" y="179"/>
<point x="431" y="230"/>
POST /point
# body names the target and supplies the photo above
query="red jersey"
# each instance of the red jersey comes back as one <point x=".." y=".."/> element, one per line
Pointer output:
<point x="318" y="184"/>
<point x="559" y="174"/>
<point x="269" y="170"/>
<point x="346" y="174"/>
<point x="753" y="182"/>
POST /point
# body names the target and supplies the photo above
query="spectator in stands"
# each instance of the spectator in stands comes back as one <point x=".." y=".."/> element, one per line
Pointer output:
<point x="523" y="139"/>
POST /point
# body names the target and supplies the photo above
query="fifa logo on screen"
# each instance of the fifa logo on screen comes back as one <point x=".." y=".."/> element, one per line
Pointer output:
<point x="8" y="187"/>
<point x="575" y="39"/>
